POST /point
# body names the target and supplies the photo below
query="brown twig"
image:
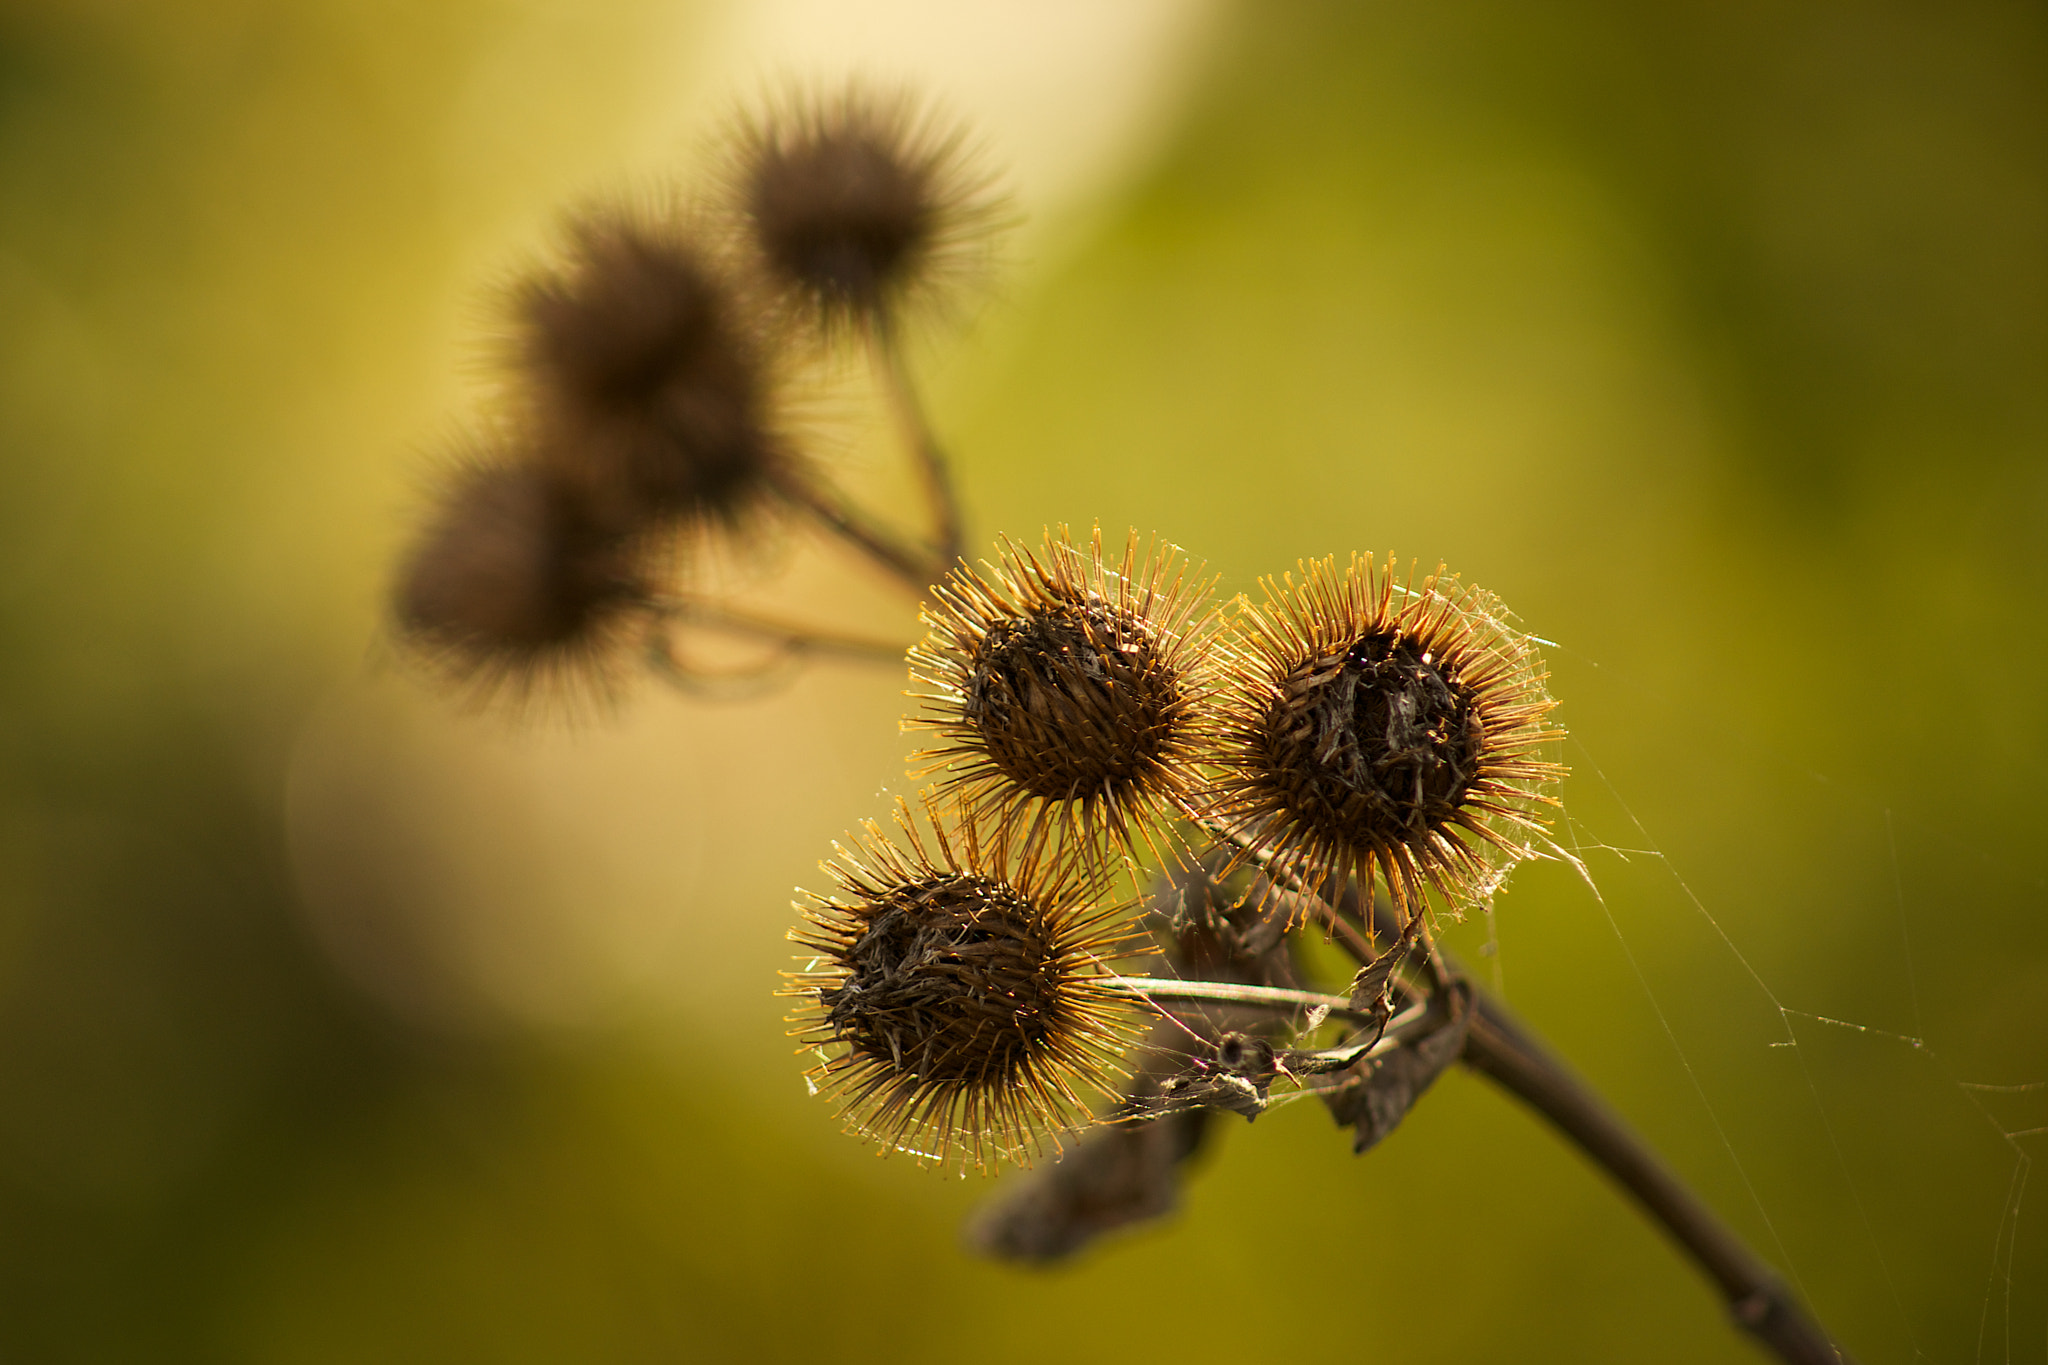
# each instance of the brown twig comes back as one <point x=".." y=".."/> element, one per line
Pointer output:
<point x="1355" y="939"/>
<point x="1155" y="988"/>
<point x="915" y="567"/>
<point x="1505" y="1052"/>
<point x="788" y="635"/>
<point x="1501" y="1049"/>
<point x="933" y="469"/>
<point x="790" y="646"/>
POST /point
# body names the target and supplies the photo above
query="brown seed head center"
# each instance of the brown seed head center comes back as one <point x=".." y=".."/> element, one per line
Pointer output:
<point x="645" y="357"/>
<point x="844" y="214"/>
<point x="1373" y="746"/>
<point x="513" y="567"/>
<point x="1072" y="700"/>
<point x="954" y="978"/>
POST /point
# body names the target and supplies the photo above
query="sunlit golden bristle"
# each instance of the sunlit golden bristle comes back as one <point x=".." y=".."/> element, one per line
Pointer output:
<point x="1068" y="690"/>
<point x="1387" y="730"/>
<point x="956" y="998"/>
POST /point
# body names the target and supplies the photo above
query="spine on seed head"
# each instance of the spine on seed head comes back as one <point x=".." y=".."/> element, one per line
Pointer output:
<point x="1068" y="687"/>
<point x="513" y="588"/>
<point x="1388" y="729"/>
<point x="649" y="367"/>
<point x="856" y="204"/>
<point x="955" y="994"/>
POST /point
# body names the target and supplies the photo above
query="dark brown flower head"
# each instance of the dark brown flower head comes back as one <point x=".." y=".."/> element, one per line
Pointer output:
<point x="1385" y="730"/>
<point x="1066" y="689"/>
<point x="956" y="995"/>
<point x="856" y="202"/>
<point x="648" y="371"/>
<point x="514" y="585"/>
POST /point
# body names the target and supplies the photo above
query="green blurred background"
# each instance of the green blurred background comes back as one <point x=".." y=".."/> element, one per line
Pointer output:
<point x="336" y="1026"/>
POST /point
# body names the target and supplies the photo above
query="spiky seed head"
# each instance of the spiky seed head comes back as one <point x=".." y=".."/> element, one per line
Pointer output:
<point x="1067" y="688"/>
<point x="956" y="995"/>
<point x="513" y="585"/>
<point x="856" y="202"/>
<point x="1391" y="731"/>
<point x="646" y="364"/>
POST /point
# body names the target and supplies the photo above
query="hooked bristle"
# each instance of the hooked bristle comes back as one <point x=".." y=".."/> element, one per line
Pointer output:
<point x="648" y="367"/>
<point x="513" y="585"/>
<point x="856" y="203"/>
<point x="1386" y="731"/>
<point x="957" y="992"/>
<point x="1069" y="690"/>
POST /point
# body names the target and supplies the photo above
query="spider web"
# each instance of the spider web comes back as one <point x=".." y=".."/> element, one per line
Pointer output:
<point x="1868" y="1266"/>
<point x="1880" y="1173"/>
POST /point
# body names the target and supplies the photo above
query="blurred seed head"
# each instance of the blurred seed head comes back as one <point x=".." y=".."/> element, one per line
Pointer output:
<point x="1385" y="730"/>
<point x="955" y="998"/>
<point x="858" y="202"/>
<point x="650" y="371"/>
<point x="514" y="586"/>
<point x="1068" y="690"/>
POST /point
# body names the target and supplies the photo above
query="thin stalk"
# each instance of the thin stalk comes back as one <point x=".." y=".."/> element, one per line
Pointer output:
<point x="912" y="566"/>
<point x="730" y="685"/>
<point x="1277" y="998"/>
<point x="1499" y="1048"/>
<point x="934" y="470"/>
<point x="1358" y="940"/>
<point x="1505" y="1052"/>
<point x="788" y="635"/>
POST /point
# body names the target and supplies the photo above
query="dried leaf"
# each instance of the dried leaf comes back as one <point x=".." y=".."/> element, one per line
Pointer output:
<point x="1128" y="1170"/>
<point x="1373" y="987"/>
<point x="1236" y="1078"/>
<point x="1383" y="1089"/>
<point x="1117" y="1175"/>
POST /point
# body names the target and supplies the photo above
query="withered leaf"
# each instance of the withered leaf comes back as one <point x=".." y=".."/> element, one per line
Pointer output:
<point x="1128" y="1170"/>
<point x="1237" y="1078"/>
<point x="1373" y="987"/>
<point x="1118" y="1174"/>
<point x="1381" y="1090"/>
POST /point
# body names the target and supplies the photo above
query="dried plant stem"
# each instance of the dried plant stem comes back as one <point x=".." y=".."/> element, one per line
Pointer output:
<point x="1499" y="1048"/>
<point x="1504" y="1051"/>
<point x="916" y="568"/>
<point x="741" y="684"/>
<point x="790" y="647"/>
<point x="786" y="635"/>
<point x="949" y="534"/>
<point x="1152" y="989"/>
<point x="1358" y="937"/>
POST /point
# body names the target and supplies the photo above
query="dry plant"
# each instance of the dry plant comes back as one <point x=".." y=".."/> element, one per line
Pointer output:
<point x="1084" y="939"/>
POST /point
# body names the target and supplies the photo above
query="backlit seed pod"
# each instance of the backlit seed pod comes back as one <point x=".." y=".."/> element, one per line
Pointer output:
<point x="513" y="586"/>
<point x="854" y="204"/>
<point x="956" y="996"/>
<point x="646" y="367"/>
<point x="1388" y="731"/>
<point x="1068" y="691"/>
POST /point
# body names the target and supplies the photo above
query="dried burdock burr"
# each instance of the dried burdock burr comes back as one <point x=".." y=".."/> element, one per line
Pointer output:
<point x="958" y="999"/>
<point x="856" y="203"/>
<point x="648" y="368"/>
<point x="514" y="586"/>
<point x="1068" y="689"/>
<point x="1361" y="738"/>
<point x="1387" y="730"/>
